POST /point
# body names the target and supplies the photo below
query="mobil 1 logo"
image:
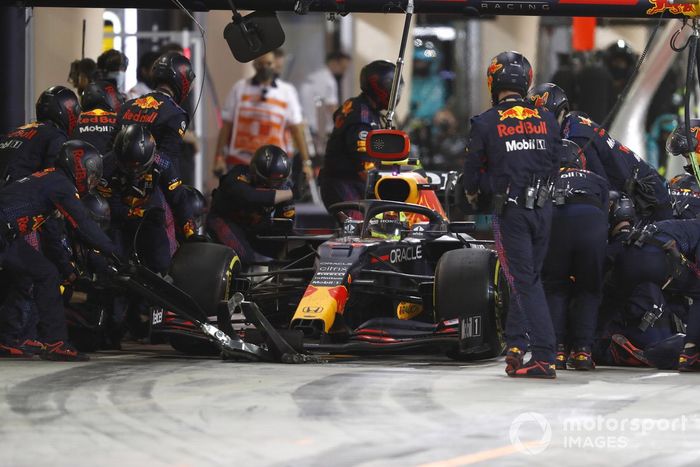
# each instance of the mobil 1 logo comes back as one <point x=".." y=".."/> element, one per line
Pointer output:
<point x="526" y="145"/>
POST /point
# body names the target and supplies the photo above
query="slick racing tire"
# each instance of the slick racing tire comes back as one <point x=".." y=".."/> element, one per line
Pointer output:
<point x="467" y="287"/>
<point x="205" y="271"/>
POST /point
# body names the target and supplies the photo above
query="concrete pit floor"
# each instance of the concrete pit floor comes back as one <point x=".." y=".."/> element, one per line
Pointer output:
<point x="149" y="406"/>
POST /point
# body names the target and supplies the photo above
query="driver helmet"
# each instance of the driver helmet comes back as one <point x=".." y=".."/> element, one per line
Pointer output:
<point x="388" y="225"/>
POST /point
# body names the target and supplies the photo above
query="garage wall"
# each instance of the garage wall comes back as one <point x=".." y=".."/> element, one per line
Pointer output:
<point x="224" y="71"/>
<point x="58" y="41"/>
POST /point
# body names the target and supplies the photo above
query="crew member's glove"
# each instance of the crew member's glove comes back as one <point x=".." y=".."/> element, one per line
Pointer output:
<point x="189" y="229"/>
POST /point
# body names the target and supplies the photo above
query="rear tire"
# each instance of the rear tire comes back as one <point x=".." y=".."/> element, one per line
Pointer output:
<point x="205" y="271"/>
<point x="466" y="287"/>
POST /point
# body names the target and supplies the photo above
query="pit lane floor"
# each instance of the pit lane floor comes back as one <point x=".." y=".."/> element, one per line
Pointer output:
<point x="148" y="406"/>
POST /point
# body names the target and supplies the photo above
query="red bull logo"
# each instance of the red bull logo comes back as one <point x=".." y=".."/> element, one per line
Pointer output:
<point x="540" y="101"/>
<point x="80" y="171"/>
<point x="492" y="70"/>
<point x="25" y="132"/>
<point x="494" y="67"/>
<point x="522" y="128"/>
<point x="519" y="112"/>
<point x="659" y="6"/>
<point x="147" y="102"/>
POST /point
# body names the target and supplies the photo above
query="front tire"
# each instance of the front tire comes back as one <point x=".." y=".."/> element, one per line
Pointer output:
<point x="205" y="271"/>
<point x="467" y="287"/>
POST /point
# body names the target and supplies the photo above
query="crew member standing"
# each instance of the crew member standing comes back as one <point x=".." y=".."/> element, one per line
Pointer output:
<point x="160" y="110"/>
<point x="35" y="146"/>
<point x="513" y="156"/>
<point x="344" y="173"/>
<point x="576" y="249"/>
<point x="625" y="171"/>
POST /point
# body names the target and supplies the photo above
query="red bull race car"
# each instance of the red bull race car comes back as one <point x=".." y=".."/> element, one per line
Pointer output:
<point x="398" y="277"/>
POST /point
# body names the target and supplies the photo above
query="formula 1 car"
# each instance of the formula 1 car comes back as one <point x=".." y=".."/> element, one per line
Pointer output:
<point x="427" y="286"/>
<point x="396" y="276"/>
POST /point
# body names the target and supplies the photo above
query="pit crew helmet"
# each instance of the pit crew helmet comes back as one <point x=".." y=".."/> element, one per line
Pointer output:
<point x="82" y="162"/>
<point x="551" y="97"/>
<point x="174" y="70"/>
<point x="101" y="95"/>
<point x="58" y="105"/>
<point x="684" y="182"/>
<point x="509" y="71"/>
<point x="571" y="155"/>
<point x="135" y="150"/>
<point x="375" y="81"/>
<point x="621" y="209"/>
<point x="197" y="204"/>
<point x="270" y="166"/>
<point x="98" y="209"/>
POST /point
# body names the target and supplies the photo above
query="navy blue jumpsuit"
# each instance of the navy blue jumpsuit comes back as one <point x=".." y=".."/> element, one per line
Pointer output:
<point x="511" y="145"/>
<point x="23" y="151"/>
<point x="643" y="271"/>
<point x="28" y="149"/>
<point x="97" y="127"/>
<point x="130" y="200"/>
<point x="344" y="175"/>
<point x="24" y="207"/>
<point x="618" y="164"/>
<point x="166" y="120"/>
<point x="238" y="206"/>
<point x="577" y="247"/>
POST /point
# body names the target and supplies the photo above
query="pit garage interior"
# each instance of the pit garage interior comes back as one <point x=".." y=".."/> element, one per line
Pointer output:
<point x="149" y="404"/>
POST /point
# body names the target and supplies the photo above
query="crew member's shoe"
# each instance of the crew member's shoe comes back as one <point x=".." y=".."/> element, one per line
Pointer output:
<point x="689" y="360"/>
<point x="12" y="351"/>
<point x="514" y="360"/>
<point x="562" y="356"/>
<point x="626" y="354"/>
<point x="536" y="369"/>
<point x="63" y="352"/>
<point x="581" y="359"/>
<point x="32" y="347"/>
